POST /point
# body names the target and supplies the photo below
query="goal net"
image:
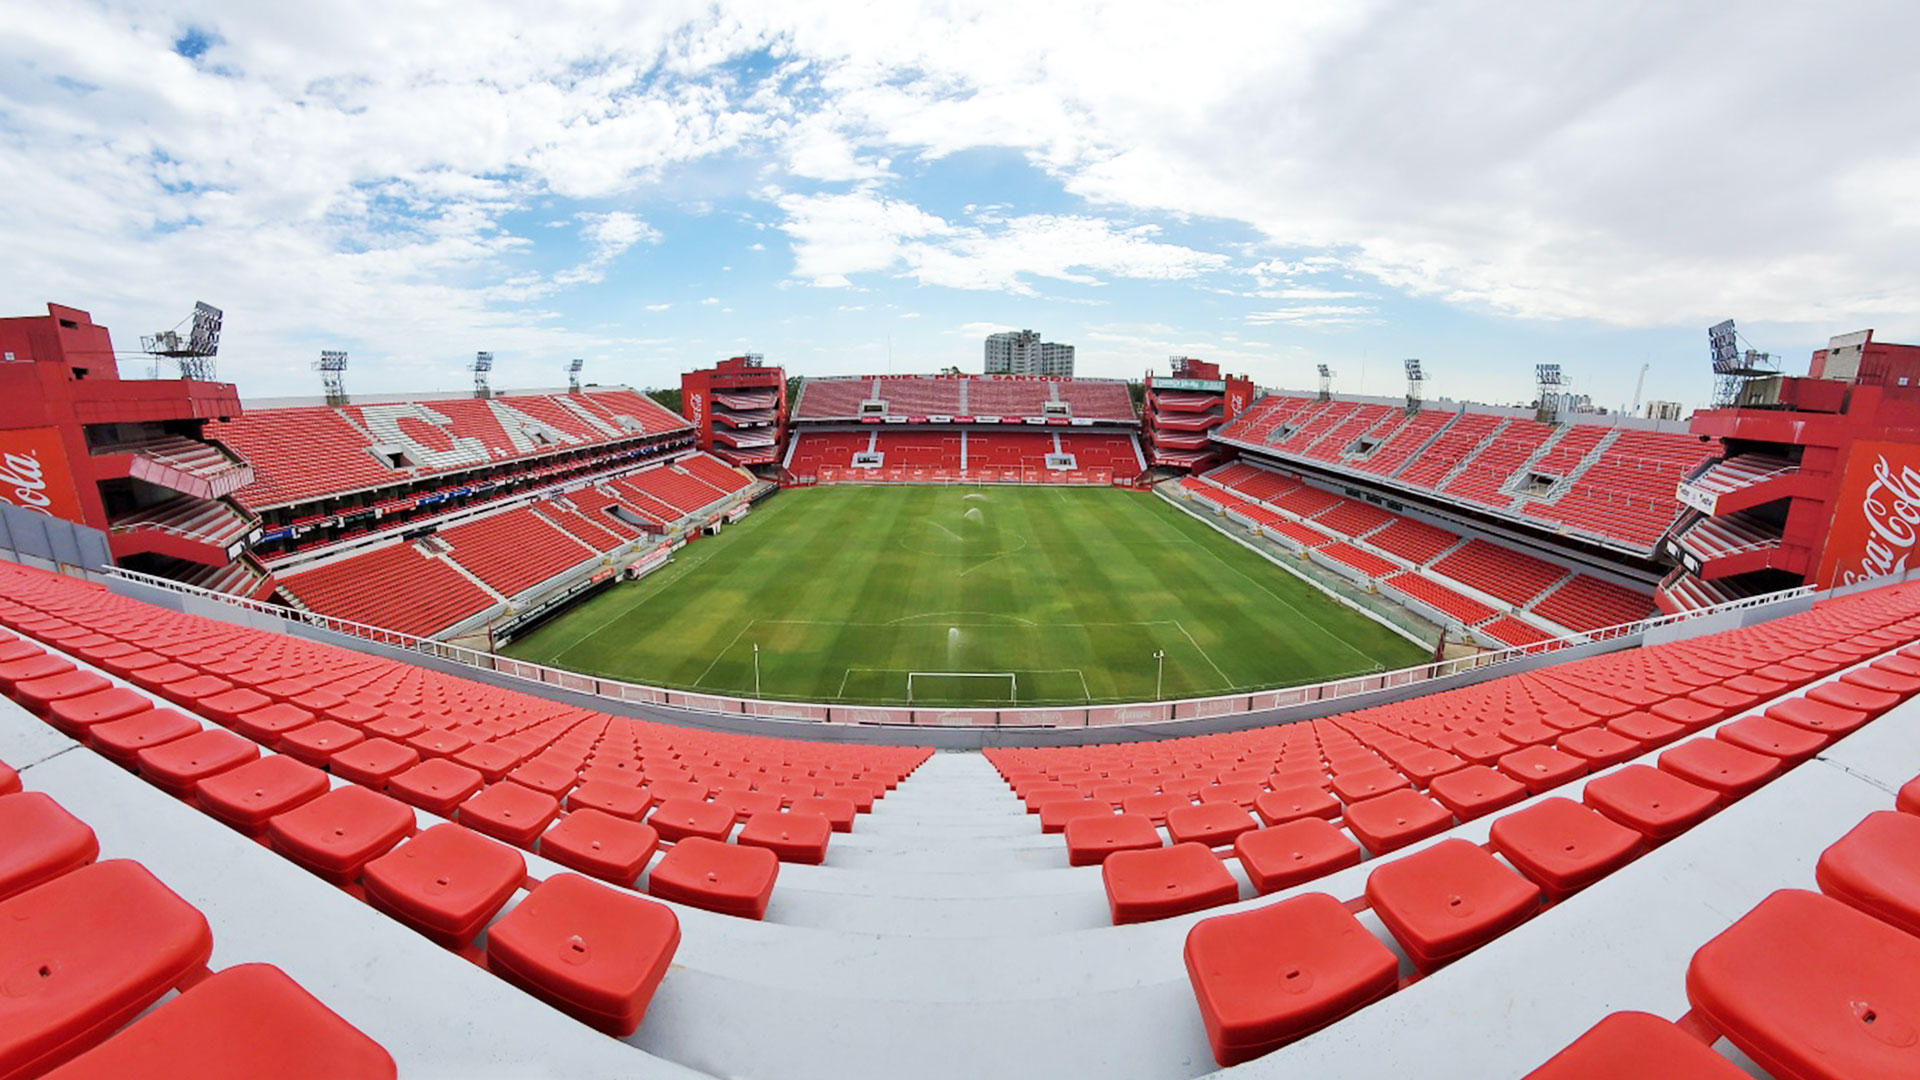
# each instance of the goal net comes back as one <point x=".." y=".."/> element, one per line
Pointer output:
<point x="962" y="686"/>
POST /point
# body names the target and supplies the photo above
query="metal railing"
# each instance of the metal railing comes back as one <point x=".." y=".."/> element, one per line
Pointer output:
<point x="1145" y="712"/>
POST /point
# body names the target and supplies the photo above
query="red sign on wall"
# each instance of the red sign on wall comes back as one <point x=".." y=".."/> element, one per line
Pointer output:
<point x="34" y="474"/>
<point x="1876" y="520"/>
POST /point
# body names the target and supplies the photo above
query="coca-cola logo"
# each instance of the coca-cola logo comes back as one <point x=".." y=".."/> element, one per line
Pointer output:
<point x="22" y="474"/>
<point x="699" y="407"/>
<point x="1892" y="508"/>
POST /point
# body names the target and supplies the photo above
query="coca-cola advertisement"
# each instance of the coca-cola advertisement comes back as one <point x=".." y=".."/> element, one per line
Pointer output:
<point x="1876" y="520"/>
<point x="34" y="475"/>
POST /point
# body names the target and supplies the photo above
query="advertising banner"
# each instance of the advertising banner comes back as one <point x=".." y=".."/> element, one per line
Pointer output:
<point x="1876" y="519"/>
<point x="34" y="473"/>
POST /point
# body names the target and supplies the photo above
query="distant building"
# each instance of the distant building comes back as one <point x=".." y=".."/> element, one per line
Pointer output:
<point x="1663" y="410"/>
<point x="1021" y="352"/>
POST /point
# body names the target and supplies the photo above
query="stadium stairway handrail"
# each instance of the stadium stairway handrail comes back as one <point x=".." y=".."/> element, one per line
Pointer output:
<point x="1101" y="717"/>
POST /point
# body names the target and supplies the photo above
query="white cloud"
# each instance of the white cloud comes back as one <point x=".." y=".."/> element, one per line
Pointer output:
<point x="608" y="235"/>
<point x="835" y="236"/>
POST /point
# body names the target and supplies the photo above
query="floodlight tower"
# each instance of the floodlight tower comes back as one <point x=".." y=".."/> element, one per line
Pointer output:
<point x="1549" y="387"/>
<point x="481" y="367"/>
<point x="1732" y="370"/>
<point x="1416" y="384"/>
<point x="573" y="374"/>
<point x="332" y="367"/>
<point x="195" y="354"/>
<point x="1326" y="383"/>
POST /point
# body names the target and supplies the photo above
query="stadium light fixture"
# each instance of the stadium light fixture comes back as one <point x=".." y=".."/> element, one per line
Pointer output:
<point x="573" y="373"/>
<point x="332" y="367"/>
<point x="481" y="367"/>
<point x="195" y="354"/>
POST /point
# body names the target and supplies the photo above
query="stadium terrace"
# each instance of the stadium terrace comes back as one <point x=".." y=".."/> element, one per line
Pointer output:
<point x="954" y="725"/>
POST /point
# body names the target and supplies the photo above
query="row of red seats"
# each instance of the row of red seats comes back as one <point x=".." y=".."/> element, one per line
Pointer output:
<point x="1451" y="898"/>
<point x="499" y="762"/>
<point x="1808" y="985"/>
<point x="91" y="946"/>
<point x="1479" y="748"/>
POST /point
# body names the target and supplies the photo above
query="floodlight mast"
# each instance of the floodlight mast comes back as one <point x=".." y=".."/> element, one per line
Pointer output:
<point x="1731" y="370"/>
<point x="1326" y="383"/>
<point x="194" y="354"/>
<point x="332" y="367"/>
<point x="573" y="374"/>
<point x="1416" y="384"/>
<point x="482" y="366"/>
<point x="1549" y="389"/>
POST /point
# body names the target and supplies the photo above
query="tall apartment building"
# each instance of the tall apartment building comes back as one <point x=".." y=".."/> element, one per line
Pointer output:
<point x="1021" y="352"/>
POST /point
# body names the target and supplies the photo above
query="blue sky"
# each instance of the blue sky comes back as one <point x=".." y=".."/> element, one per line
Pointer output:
<point x="1272" y="186"/>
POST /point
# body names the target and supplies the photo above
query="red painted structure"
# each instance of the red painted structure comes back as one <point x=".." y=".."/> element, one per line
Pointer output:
<point x="738" y="409"/>
<point x="130" y="457"/>
<point x="1180" y="411"/>
<point x="1820" y="482"/>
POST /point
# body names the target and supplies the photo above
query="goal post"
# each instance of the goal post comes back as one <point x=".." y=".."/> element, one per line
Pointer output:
<point x="933" y="679"/>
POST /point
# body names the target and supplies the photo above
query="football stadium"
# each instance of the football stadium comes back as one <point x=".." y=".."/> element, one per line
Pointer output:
<point x="1230" y="694"/>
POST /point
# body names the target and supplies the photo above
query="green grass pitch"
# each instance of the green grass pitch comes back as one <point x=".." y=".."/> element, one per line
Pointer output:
<point x="848" y="590"/>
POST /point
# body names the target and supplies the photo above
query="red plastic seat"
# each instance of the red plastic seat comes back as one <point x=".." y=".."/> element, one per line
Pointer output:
<point x="1154" y="808"/>
<point x="38" y="695"/>
<point x="1476" y="791"/>
<point x="492" y="760"/>
<point x="122" y="740"/>
<point x="9" y="780"/>
<point x="1352" y="787"/>
<point x="373" y="762"/>
<point x="39" y="841"/>
<point x="83" y="954"/>
<point x="1854" y="695"/>
<point x="1056" y="813"/>
<point x="1811" y="989"/>
<point x="1267" y="977"/>
<point x="1213" y="825"/>
<point x="1156" y="884"/>
<point x="506" y="811"/>
<point x="708" y="874"/>
<point x="1907" y="802"/>
<point x="1290" y="803"/>
<point x="593" y="952"/>
<point x="1397" y="819"/>
<point x="1091" y="839"/>
<point x="1772" y="738"/>
<point x="335" y="834"/>
<point x="1446" y="901"/>
<point x="1601" y="748"/>
<point x="1483" y="749"/>
<point x="609" y="797"/>
<point x="545" y="776"/>
<point x="1874" y="868"/>
<point x="746" y="804"/>
<point x="680" y="819"/>
<point x="607" y="847"/>
<point x="247" y="796"/>
<point x="1646" y="729"/>
<point x="222" y="709"/>
<point x="1564" y="846"/>
<point x="1824" y="717"/>
<point x="792" y="837"/>
<point x="446" y="882"/>
<point x="247" y="1021"/>
<point x="268" y="723"/>
<point x="1542" y="768"/>
<point x="178" y="765"/>
<point x="76" y="715"/>
<point x="839" y="812"/>
<point x="1636" y="1046"/>
<point x="1722" y="766"/>
<point x="1294" y="852"/>
<point x="436" y="785"/>
<point x="1655" y="804"/>
<point x="1688" y="713"/>
<point x="316" y="743"/>
<point x="40" y="665"/>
